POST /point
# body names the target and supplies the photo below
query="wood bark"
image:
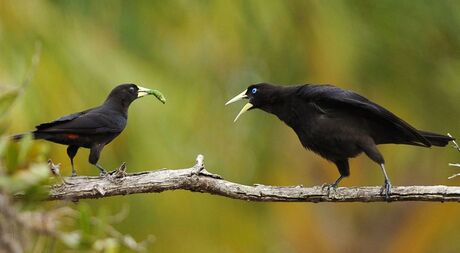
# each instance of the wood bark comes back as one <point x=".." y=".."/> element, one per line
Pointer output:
<point x="197" y="179"/>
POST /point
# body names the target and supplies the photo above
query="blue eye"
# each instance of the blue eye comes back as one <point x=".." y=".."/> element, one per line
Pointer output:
<point x="254" y="90"/>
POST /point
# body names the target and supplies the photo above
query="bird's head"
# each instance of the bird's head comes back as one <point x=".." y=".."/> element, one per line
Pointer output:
<point x="260" y="96"/>
<point x="127" y="93"/>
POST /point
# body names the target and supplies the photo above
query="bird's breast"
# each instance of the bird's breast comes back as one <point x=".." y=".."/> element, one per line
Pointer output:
<point x="327" y="135"/>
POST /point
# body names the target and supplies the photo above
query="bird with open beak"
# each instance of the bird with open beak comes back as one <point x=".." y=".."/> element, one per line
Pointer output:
<point x="337" y="124"/>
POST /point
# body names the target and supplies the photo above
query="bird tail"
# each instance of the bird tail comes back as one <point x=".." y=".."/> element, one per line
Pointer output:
<point x="436" y="139"/>
<point x="18" y="137"/>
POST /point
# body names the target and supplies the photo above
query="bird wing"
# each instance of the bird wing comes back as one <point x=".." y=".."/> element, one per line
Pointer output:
<point x="61" y="120"/>
<point x="86" y="122"/>
<point x="337" y="98"/>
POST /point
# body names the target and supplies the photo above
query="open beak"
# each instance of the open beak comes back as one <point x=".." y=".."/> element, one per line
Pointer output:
<point x="239" y="97"/>
<point x="144" y="92"/>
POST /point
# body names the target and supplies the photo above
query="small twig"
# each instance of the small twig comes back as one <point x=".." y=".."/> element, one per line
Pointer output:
<point x="55" y="170"/>
<point x="199" y="166"/>
<point x="200" y="170"/>
<point x="119" y="172"/>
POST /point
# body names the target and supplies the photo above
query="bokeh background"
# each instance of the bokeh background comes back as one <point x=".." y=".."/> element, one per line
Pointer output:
<point x="404" y="55"/>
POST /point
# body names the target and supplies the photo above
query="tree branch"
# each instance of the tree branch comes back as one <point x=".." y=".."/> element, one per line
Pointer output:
<point x="197" y="179"/>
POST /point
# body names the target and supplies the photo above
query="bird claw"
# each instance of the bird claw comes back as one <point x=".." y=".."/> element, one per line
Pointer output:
<point x="328" y="187"/>
<point x="386" y="189"/>
<point x="74" y="174"/>
<point x="103" y="173"/>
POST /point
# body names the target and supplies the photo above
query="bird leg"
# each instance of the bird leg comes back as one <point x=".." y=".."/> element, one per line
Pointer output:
<point x="333" y="185"/>
<point x="344" y="170"/>
<point x="74" y="172"/>
<point x="71" y="152"/>
<point x="103" y="172"/>
<point x="386" y="188"/>
<point x="94" y="154"/>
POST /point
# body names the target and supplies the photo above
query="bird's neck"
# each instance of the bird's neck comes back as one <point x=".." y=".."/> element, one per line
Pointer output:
<point x="117" y="105"/>
<point x="278" y="100"/>
<point x="281" y="103"/>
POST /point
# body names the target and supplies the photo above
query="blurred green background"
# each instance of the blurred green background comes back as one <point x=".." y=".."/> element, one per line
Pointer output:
<point x="404" y="55"/>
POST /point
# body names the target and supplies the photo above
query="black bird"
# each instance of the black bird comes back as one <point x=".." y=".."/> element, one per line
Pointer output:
<point x="337" y="124"/>
<point x="93" y="128"/>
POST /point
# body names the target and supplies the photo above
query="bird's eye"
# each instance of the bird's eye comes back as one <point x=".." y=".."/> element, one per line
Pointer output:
<point x="131" y="88"/>
<point x="254" y="90"/>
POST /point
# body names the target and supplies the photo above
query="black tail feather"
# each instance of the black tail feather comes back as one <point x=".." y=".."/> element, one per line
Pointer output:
<point x="436" y="139"/>
<point x="18" y="137"/>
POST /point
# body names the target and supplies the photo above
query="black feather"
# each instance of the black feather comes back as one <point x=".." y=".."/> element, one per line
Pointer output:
<point x="93" y="128"/>
<point x="338" y="124"/>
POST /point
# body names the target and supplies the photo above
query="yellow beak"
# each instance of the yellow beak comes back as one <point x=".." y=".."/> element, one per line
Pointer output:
<point x="243" y="110"/>
<point x="239" y="97"/>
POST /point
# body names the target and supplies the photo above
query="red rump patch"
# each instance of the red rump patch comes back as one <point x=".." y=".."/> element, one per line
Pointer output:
<point x="72" y="136"/>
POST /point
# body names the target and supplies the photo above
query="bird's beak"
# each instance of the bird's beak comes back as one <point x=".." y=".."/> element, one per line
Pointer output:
<point x="246" y="107"/>
<point x="144" y="92"/>
<point x="238" y="97"/>
<point x="243" y="110"/>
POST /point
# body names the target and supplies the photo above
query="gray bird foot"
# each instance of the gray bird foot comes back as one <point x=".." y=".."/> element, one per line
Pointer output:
<point x="74" y="174"/>
<point x="328" y="187"/>
<point x="386" y="189"/>
<point x="103" y="172"/>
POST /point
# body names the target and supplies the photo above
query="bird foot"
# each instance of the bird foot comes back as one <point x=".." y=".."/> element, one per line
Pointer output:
<point x="74" y="174"/>
<point x="328" y="187"/>
<point x="103" y="173"/>
<point x="386" y="189"/>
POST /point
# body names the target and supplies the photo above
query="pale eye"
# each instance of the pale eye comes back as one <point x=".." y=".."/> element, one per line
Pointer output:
<point x="131" y="88"/>
<point x="254" y="90"/>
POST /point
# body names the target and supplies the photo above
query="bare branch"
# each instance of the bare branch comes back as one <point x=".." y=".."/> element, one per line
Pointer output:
<point x="190" y="179"/>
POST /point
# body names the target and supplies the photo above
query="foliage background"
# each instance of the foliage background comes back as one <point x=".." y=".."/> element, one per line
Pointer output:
<point x="403" y="55"/>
